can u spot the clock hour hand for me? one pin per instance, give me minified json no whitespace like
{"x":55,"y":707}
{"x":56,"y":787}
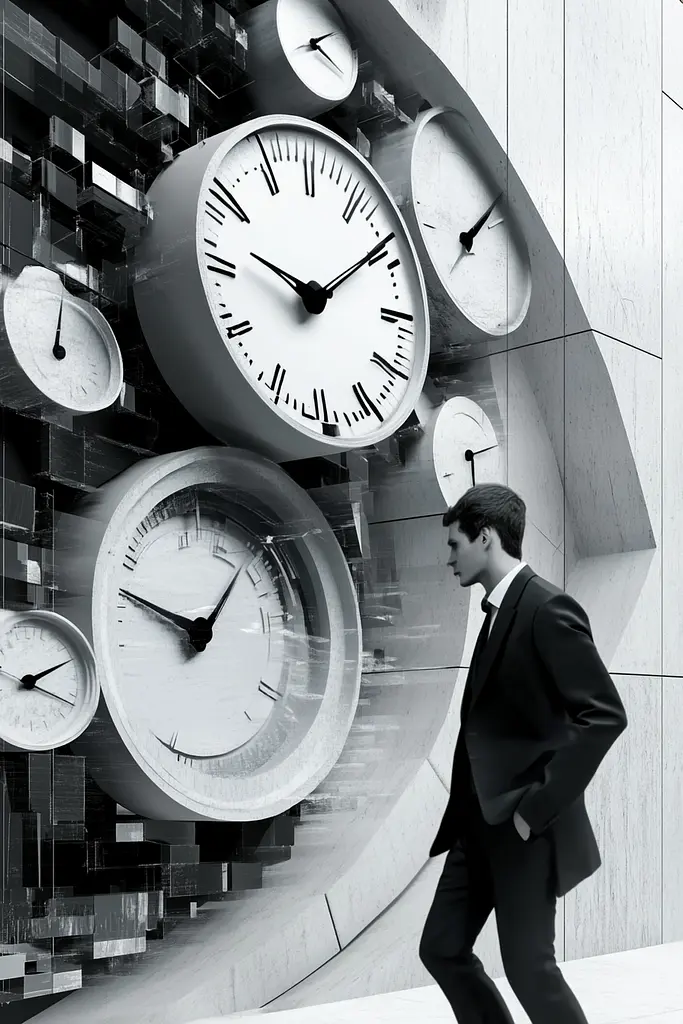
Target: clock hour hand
{"x":466,"y":238}
{"x":312,"y":295}
{"x":336,"y":281}
{"x":177,"y":620}
{"x":45,"y":672}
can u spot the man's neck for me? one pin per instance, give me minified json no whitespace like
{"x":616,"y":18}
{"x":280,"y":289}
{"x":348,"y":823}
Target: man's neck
{"x":498,"y":572}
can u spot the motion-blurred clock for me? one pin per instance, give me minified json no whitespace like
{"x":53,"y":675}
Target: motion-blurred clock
{"x":226,"y":630}
{"x":300,"y":57}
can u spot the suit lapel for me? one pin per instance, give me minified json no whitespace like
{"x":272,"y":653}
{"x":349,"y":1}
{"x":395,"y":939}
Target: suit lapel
{"x":501,"y":628}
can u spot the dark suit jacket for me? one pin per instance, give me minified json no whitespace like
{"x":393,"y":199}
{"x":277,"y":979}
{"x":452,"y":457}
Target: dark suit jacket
{"x":537,"y":719}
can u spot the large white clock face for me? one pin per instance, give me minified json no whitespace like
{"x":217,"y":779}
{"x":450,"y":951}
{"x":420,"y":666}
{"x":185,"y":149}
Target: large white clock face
{"x":488,"y":274}
{"x":226,"y":628}
{"x":64,"y":345}
{"x":315,"y":41}
{"x":191,"y":706}
{"x":313,"y":282}
{"x":48,"y":687}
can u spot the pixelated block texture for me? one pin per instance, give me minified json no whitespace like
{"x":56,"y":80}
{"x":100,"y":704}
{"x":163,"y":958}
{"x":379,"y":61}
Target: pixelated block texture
{"x":83,"y":880}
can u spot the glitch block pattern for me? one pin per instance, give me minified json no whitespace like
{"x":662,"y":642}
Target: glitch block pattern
{"x":84,"y":881}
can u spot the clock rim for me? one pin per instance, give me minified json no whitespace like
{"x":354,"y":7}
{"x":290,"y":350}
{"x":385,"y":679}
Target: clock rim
{"x":328,"y":732}
{"x":78,"y":642}
{"x":99,"y":324}
{"x":165,"y":290}
{"x":328,"y":97}
{"x":421,"y":122}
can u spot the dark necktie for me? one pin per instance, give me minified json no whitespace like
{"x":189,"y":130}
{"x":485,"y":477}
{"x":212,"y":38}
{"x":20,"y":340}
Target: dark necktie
{"x":486,"y":607}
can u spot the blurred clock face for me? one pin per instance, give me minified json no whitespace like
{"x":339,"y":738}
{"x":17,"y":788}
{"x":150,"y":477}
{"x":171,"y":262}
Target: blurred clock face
{"x":191,"y":708}
{"x":488,"y":276}
{"x":328,"y":65}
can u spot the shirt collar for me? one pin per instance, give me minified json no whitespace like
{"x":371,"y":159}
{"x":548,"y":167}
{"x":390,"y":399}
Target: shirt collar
{"x":499,"y":591}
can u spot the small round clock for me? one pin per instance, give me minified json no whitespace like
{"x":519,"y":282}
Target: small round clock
{"x":226,"y":629}
{"x":300,"y":57}
{"x":56,"y":351}
{"x":457,"y":449}
{"x":473,"y":252}
{"x":280,"y":293}
{"x":48,"y":682}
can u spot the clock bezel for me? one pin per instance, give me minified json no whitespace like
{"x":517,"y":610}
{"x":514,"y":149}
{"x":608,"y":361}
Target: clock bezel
{"x":116,"y":756}
{"x":171,"y":296}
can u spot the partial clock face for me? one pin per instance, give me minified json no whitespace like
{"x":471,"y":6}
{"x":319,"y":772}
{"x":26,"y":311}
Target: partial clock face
{"x":48,"y":687}
{"x":465,"y":447}
{"x":225,"y":624}
{"x":64,"y":345}
{"x":313,"y":283}
{"x":315,"y":41}
{"x":469,"y":232}
{"x":192,"y":707}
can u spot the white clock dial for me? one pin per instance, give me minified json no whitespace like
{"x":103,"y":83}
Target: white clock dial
{"x":226,"y":627}
{"x":48,"y":685}
{"x":472,"y":248}
{"x":318,"y":336}
{"x":62,"y":345}
{"x":201,"y":703}
{"x":300,"y":57}
{"x":316,"y":43}
{"x":488,"y":275}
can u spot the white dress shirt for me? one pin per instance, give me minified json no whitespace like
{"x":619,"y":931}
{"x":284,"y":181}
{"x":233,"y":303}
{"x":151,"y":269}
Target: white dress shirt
{"x":496,"y":596}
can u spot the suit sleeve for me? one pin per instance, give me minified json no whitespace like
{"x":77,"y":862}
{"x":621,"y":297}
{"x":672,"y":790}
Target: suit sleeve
{"x":562,"y":637}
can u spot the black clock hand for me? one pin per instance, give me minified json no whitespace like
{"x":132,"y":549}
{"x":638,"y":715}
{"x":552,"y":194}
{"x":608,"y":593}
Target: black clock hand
{"x":315,"y":45}
{"x":27,"y":682}
{"x":469,"y":457}
{"x":467,"y":237}
{"x":58,"y":350}
{"x":226,"y":594}
{"x":178,"y":620}
{"x":312,"y":295}
{"x":49,"y":693}
{"x":45,"y":672}
{"x":336,"y":281}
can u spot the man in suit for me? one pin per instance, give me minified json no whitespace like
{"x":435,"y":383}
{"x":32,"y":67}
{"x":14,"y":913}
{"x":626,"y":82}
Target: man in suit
{"x":539,"y":713}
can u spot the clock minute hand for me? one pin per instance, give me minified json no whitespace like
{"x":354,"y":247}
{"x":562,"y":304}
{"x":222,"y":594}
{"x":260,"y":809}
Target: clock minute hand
{"x":177,"y":620}
{"x":336,"y":281}
{"x":224,"y":597}
{"x":466,"y":238}
{"x":58,"y":350}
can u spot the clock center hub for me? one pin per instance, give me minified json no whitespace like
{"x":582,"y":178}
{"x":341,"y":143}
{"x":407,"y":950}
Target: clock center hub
{"x":316,"y":298}
{"x":201,"y":634}
{"x":28,"y":681}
